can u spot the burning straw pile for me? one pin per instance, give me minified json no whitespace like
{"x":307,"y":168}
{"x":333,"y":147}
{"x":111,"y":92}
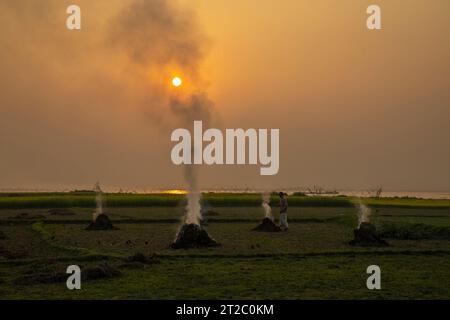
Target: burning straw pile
{"x":193,"y":236}
{"x":366,"y":235}
{"x":267,"y":224}
{"x":100,"y":221}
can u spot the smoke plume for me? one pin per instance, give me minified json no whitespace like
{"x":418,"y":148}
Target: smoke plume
{"x":266,"y":206}
{"x":98,"y":201}
{"x":160,"y":33}
{"x":160,"y":36}
{"x":364,"y":213}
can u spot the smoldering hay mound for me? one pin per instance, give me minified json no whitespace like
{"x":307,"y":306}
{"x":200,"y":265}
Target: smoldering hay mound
{"x":267,"y":225}
{"x":366,"y":236}
{"x":193,"y":236}
{"x":102,"y":222}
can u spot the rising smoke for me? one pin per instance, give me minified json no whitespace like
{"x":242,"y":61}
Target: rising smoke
{"x":266,"y":206}
{"x":364,"y":213}
{"x":159,"y":35}
{"x":98,"y":201}
{"x":195,"y":107}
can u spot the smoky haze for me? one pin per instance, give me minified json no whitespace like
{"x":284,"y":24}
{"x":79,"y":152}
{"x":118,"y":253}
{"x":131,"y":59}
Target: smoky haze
{"x":355,"y":109}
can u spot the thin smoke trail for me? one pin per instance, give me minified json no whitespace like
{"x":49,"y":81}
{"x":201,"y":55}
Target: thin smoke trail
{"x":364,"y":213}
{"x":98,"y":201}
{"x":266,"y":206}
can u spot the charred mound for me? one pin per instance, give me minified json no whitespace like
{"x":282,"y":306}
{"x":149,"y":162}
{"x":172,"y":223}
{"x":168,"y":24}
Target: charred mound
{"x":101,"y":223}
{"x":267,"y":225}
{"x":193,"y":236}
{"x":366,"y":236}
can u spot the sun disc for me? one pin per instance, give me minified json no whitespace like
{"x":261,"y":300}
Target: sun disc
{"x":176,"y":81}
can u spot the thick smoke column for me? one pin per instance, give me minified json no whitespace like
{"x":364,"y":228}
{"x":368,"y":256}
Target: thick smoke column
{"x":193,"y":208}
{"x":161,"y":38}
{"x":196,"y":106}
{"x":193,"y":107}
{"x":266,"y":206}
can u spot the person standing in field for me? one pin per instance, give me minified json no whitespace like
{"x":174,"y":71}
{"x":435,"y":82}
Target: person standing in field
{"x":283,"y":211}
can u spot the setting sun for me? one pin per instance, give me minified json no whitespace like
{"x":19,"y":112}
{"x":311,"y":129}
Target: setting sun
{"x":176,"y":81}
{"x":174,"y":191}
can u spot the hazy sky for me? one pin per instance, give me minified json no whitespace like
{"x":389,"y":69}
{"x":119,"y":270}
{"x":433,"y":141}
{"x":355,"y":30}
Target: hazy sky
{"x":355,"y":108}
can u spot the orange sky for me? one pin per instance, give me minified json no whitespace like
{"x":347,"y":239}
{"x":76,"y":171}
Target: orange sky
{"x":355,"y":108}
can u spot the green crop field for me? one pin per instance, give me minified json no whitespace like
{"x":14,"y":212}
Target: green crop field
{"x":87,"y":200}
{"x":313,"y":260}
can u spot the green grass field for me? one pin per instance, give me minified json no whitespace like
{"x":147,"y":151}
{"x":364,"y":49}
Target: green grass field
{"x":311,"y":261}
{"x":87,"y":200}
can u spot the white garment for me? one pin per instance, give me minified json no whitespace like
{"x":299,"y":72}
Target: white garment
{"x":283,"y":220}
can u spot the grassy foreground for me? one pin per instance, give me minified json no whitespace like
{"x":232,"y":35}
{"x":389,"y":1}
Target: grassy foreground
{"x":311,"y":261}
